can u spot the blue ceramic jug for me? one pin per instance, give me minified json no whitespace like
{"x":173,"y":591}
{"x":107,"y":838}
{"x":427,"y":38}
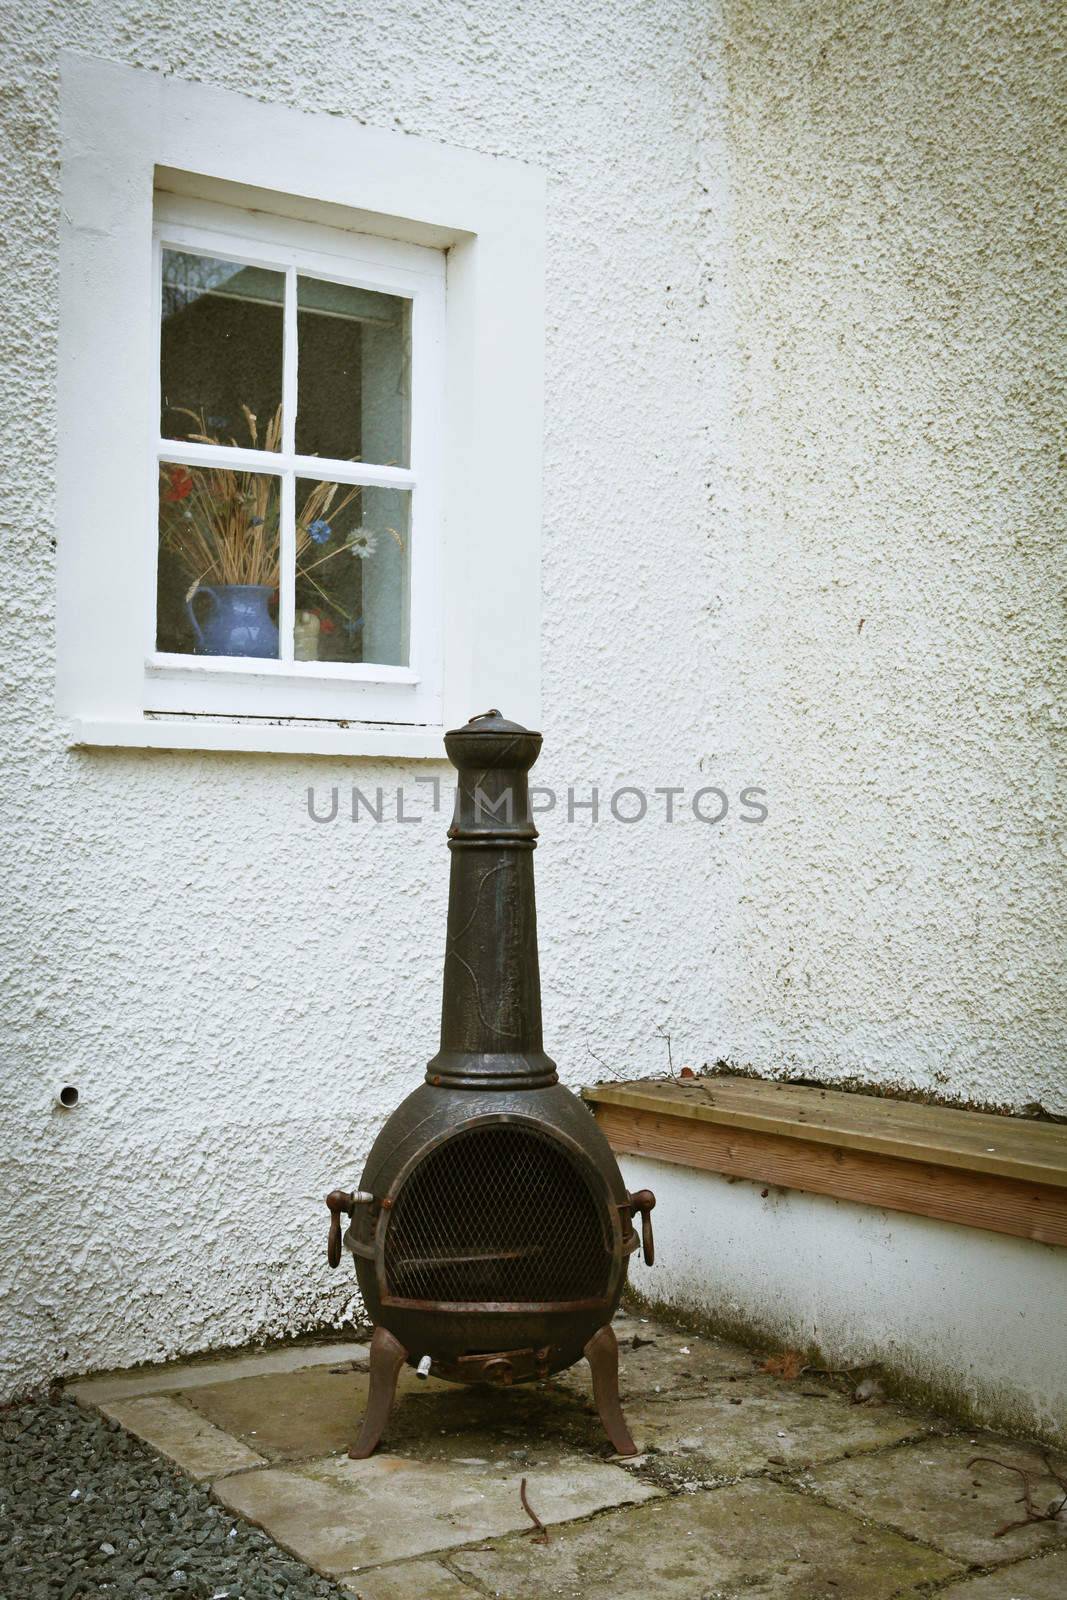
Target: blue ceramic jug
{"x":238,"y":623}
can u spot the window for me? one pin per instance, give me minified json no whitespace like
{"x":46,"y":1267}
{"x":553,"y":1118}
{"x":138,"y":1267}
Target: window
{"x":300,"y":425}
{"x":299,"y":411}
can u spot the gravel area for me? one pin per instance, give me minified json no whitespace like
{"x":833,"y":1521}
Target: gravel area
{"x":85,"y":1509}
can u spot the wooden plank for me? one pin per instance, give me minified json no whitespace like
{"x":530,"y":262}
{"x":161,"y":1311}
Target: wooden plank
{"x":1007,"y":1147}
{"x":1003,"y":1205}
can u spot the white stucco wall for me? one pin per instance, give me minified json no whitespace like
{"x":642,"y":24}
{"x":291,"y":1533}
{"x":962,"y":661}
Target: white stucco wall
{"x":242,"y":995}
{"x":793,"y":380}
{"x":889,"y":626}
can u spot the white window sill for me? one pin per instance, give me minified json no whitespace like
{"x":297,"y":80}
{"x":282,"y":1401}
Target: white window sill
{"x":258,"y":734}
{"x":161,"y":666}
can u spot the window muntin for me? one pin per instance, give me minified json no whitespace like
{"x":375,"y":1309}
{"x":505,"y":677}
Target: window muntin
{"x":285,"y":533}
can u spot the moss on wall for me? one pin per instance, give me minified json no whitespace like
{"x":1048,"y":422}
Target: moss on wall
{"x":908,"y":1376}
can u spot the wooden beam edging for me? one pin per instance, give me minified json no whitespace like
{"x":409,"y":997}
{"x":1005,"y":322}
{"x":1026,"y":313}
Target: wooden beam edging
{"x":974,"y":1200}
{"x":942,"y":1136}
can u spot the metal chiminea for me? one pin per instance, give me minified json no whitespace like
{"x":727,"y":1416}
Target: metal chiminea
{"x":491,"y":1229}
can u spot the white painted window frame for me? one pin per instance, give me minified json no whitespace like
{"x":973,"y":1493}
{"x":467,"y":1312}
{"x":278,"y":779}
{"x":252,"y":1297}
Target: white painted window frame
{"x":127,"y":134}
{"x":307,"y":689}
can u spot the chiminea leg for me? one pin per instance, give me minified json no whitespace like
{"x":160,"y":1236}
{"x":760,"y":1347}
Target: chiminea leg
{"x":602,"y":1354}
{"x":387,"y":1356}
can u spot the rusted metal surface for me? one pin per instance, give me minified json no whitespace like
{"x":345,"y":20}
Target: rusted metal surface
{"x":503,"y":1367}
{"x":602,"y":1353}
{"x":387,"y":1356}
{"x":643,"y":1200}
{"x":491,"y":1230}
{"x":337,"y":1201}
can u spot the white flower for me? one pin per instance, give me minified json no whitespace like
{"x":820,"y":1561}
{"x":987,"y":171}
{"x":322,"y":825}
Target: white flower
{"x":362,"y":543}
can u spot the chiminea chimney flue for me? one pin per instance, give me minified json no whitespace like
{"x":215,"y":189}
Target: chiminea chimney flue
{"x":491,"y":1005}
{"x":491,"y":1228}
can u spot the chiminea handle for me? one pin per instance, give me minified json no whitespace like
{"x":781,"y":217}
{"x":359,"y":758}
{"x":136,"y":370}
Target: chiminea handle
{"x":643,"y":1200}
{"x":339,"y":1201}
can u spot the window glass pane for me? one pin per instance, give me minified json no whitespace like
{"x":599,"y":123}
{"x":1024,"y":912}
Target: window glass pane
{"x":353,"y":563}
{"x":221,"y":351}
{"x":354,"y":377}
{"x":217,"y":583}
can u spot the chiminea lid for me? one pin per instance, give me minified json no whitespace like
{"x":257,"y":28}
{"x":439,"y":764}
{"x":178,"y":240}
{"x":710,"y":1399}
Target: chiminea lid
{"x":491,"y":742}
{"x":491,"y":722}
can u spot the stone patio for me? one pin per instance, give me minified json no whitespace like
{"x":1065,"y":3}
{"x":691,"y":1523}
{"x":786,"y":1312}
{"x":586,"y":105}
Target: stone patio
{"x":748,"y":1485}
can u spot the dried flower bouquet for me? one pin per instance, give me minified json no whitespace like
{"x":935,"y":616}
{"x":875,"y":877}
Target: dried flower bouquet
{"x":222,"y":523}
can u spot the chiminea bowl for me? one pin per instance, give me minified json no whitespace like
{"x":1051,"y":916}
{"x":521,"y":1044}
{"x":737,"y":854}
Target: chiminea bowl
{"x":491,"y":1229}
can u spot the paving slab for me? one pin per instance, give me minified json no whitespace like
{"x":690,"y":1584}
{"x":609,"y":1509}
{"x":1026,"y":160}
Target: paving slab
{"x":1040,"y":1578}
{"x":340,"y":1515}
{"x":493,"y":1449}
{"x":747,"y":1427}
{"x":201,"y":1450}
{"x":755,"y":1539}
{"x":408,"y":1580}
{"x":928,"y":1490}
{"x":711,"y":1437}
{"x":656,"y":1359}
{"x":298,"y":1416}
{"x":180,"y":1375}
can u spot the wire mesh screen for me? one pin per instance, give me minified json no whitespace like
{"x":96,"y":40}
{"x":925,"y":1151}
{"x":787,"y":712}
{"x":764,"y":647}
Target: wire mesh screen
{"x":497,"y":1214}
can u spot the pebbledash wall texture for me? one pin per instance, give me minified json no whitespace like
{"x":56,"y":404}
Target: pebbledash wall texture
{"x":799,"y":533}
